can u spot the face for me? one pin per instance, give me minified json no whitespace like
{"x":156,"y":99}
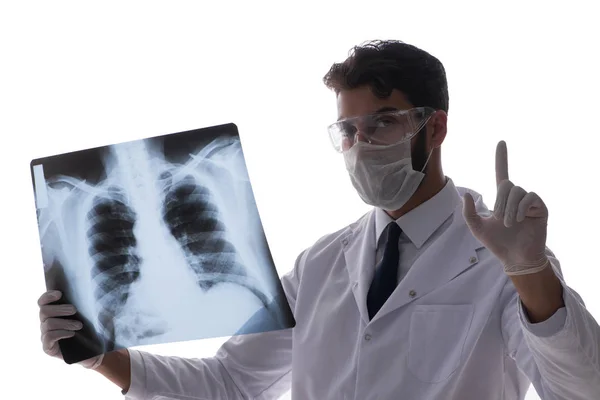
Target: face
{"x":361,"y":101}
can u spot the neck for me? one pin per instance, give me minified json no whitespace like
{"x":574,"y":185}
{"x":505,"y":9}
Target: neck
{"x":432,"y":184}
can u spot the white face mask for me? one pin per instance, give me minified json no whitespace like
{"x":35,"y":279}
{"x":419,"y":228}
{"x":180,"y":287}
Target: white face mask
{"x":383,"y":175}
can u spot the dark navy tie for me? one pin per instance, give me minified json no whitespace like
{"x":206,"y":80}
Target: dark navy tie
{"x":386,"y":273}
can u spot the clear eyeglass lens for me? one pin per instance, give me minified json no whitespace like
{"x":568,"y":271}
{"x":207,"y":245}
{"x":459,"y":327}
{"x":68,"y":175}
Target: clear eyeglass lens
{"x":379,"y":129}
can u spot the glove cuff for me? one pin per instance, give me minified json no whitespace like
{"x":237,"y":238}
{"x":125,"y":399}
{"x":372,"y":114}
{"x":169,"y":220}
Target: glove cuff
{"x":92,"y":363}
{"x":527,"y":268}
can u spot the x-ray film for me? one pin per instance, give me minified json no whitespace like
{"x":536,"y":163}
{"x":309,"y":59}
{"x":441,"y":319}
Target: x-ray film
{"x":155,"y":241}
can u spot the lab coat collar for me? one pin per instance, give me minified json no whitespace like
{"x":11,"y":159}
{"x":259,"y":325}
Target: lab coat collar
{"x":420,"y":223}
{"x":449,"y":256}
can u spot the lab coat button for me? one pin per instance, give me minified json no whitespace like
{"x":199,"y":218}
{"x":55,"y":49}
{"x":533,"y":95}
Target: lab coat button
{"x":472,"y":260}
{"x":412,"y":293}
{"x":367,"y":337}
{"x":345,"y":242}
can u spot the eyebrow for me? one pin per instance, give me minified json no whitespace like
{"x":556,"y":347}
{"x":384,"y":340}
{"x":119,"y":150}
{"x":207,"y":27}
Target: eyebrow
{"x":379,"y":111}
{"x":386,"y":109}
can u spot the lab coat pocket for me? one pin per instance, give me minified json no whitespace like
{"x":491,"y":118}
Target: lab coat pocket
{"x":436,"y":340}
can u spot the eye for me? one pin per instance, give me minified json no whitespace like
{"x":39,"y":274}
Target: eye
{"x":384,"y":121}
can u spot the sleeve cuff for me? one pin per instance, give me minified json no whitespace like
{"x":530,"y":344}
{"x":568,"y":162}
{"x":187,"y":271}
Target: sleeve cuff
{"x":137,"y":389}
{"x":556,"y":323}
{"x":547,"y":328}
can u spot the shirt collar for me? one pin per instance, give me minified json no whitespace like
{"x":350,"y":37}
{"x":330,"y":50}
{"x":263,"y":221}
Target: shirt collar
{"x":420,"y":223}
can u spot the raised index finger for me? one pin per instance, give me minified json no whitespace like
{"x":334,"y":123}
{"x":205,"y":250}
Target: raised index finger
{"x":501,"y":162}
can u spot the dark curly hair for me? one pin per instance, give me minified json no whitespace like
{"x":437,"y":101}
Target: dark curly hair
{"x":385,"y":65}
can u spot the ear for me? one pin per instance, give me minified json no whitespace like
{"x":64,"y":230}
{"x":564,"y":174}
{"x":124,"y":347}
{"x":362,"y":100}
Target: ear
{"x":439,"y":127}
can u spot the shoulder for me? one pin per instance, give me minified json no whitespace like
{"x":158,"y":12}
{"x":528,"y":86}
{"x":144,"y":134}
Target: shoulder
{"x":330,"y":244}
{"x":480,"y":205}
{"x":335,"y":238}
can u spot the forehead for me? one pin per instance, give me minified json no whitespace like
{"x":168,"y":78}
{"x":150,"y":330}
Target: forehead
{"x":362,"y":101}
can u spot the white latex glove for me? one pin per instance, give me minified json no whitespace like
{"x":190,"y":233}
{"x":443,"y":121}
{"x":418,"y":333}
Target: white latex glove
{"x":516,"y":232}
{"x":54,"y":329}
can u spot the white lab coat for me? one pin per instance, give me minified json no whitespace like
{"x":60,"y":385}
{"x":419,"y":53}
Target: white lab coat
{"x":454,"y":329}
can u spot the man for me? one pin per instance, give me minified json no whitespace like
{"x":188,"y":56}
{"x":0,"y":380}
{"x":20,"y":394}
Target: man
{"x":428,"y":296}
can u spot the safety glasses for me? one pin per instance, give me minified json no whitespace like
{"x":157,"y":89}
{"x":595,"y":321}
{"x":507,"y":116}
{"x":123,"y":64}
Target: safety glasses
{"x":381,"y":129}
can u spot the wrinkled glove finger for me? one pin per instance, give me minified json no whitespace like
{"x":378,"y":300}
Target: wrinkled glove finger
{"x":56,"y":324}
{"x":56,"y":310}
{"x":49,"y":297}
{"x":501,"y":198}
{"x":50,"y":341}
{"x":515,"y":197}
{"x":530,"y":201}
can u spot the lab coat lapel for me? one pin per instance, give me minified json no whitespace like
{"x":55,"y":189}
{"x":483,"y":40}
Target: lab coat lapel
{"x":359,"y":254}
{"x":449,"y":256}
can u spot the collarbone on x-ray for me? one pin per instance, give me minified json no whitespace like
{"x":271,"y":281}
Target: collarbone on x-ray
{"x":161,"y":250}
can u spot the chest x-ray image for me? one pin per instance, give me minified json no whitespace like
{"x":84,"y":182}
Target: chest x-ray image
{"x":155,"y":241}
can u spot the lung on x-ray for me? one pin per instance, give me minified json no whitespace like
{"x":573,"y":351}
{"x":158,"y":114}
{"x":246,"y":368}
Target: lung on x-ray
{"x":155,"y":241}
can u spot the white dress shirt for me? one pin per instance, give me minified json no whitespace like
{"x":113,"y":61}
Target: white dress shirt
{"x":453,"y":329}
{"x":417,"y":232}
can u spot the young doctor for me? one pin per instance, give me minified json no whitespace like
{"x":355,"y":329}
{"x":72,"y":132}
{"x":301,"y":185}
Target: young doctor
{"x":428,"y":296}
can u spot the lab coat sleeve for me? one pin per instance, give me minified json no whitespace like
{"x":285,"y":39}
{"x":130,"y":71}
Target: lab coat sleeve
{"x":252,"y":366}
{"x":560,"y":355}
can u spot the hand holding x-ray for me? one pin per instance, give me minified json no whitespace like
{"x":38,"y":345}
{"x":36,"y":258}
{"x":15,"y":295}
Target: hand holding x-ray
{"x":55,"y":325}
{"x":516,"y":232}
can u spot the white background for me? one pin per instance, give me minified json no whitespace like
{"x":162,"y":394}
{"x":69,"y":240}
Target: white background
{"x":77,"y":74}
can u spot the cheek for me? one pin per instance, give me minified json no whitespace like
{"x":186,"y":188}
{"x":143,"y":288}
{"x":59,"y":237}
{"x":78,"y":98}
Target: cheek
{"x":346,"y":144}
{"x":413,"y":143}
{"x":420,"y":142}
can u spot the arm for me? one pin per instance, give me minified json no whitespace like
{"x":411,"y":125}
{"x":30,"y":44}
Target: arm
{"x":558,"y":348}
{"x":253,"y":366}
{"x":541,"y":294}
{"x":116,"y":368}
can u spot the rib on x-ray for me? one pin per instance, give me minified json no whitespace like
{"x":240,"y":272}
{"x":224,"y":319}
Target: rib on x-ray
{"x":157,"y":240}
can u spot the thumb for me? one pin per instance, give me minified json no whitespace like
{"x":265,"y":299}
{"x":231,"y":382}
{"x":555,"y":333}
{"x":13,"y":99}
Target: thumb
{"x":474,"y":221}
